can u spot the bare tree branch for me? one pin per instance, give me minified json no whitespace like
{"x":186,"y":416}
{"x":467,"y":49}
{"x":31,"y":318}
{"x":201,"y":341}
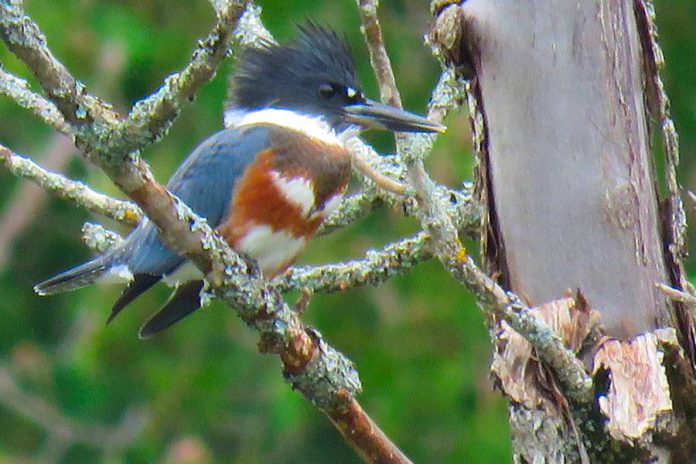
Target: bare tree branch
{"x":382,"y":181}
{"x":394,"y":259}
{"x":389,"y":93}
{"x":150,"y":118}
{"x":451,"y":252}
{"x":377,"y":266}
{"x":677,"y":295}
{"x":548,"y":345}
{"x":111,"y":136}
{"x":62,"y":187}
{"x":29,"y":198}
{"x":434,"y":218}
{"x":23,"y":37}
{"x":454,"y":257}
{"x":98,"y":238}
{"x":366,"y":438}
{"x":350,"y":210}
{"x":250,"y":31}
{"x":19,"y":91}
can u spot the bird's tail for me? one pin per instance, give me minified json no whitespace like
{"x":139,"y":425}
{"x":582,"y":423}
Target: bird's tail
{"x":77,"y":277}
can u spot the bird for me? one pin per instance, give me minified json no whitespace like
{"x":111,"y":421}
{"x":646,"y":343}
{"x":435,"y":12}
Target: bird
{"x":266,"y":181}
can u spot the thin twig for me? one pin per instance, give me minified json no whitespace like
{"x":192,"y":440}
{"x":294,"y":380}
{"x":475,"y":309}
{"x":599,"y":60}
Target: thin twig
{"x":62,"y":187}
{"x":395,"y":258}
{"x":377,"y":266}
{"x":18,"y":90}
{"x":547,"y":344}
{"x":29,"y":198}
{"x":389,"y":93}
{"x":692,"y":197}
{"x":151,"y":117}
{"x":389,"y":166}
{"x":250,"y":31}
{"x":351,"y":209}
{"x":99,"y":239}
{"x":366,"y":438}
{"x":24,"y":38}
{"x":676,"y":295}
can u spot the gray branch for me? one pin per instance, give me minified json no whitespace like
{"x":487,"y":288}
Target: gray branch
{"x":377,"y":267}
{"x":24,"y":38}
{"x":432,"y":213}
{"x":151,"y":117}
{"x":62,"y":187}
{"x":323,"y":375}
{"x":98,"y":238}
{"x":18,"y":90}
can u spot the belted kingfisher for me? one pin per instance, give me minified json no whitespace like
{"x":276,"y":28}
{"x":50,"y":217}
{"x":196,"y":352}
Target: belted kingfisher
{"x":266,"y":182}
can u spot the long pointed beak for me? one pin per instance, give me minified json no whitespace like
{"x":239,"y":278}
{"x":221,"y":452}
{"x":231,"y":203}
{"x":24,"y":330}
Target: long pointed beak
{"x":375,"y":115}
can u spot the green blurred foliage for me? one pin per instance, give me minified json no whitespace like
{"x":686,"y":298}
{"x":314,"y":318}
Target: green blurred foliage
{"x":418,"y":341}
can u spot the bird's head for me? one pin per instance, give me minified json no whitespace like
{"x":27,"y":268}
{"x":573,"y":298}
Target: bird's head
{"x":315,"y":75}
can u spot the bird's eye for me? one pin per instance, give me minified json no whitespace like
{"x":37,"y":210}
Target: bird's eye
{"x":353,"y":95}
{"x":327,"y":90}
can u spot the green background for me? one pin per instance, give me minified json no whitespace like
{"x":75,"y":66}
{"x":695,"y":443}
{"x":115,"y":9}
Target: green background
{"x":205,"y":393}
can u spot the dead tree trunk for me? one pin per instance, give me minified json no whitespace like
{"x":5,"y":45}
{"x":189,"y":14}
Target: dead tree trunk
{"x":563,"y":92}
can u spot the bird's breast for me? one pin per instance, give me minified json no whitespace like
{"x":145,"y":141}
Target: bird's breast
{"x":281,"y":199}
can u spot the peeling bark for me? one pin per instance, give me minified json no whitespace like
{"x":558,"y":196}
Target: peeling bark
{"x":639,"y":393}
{"x":559,"y":100}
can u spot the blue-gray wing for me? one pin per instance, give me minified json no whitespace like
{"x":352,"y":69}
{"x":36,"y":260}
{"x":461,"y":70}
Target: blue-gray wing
{"x":204,"y":182}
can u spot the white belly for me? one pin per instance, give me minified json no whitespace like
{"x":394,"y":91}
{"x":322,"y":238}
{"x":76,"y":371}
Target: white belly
{"x":272,"y":250}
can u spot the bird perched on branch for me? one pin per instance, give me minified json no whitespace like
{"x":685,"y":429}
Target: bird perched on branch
{"x":266,"y":182}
